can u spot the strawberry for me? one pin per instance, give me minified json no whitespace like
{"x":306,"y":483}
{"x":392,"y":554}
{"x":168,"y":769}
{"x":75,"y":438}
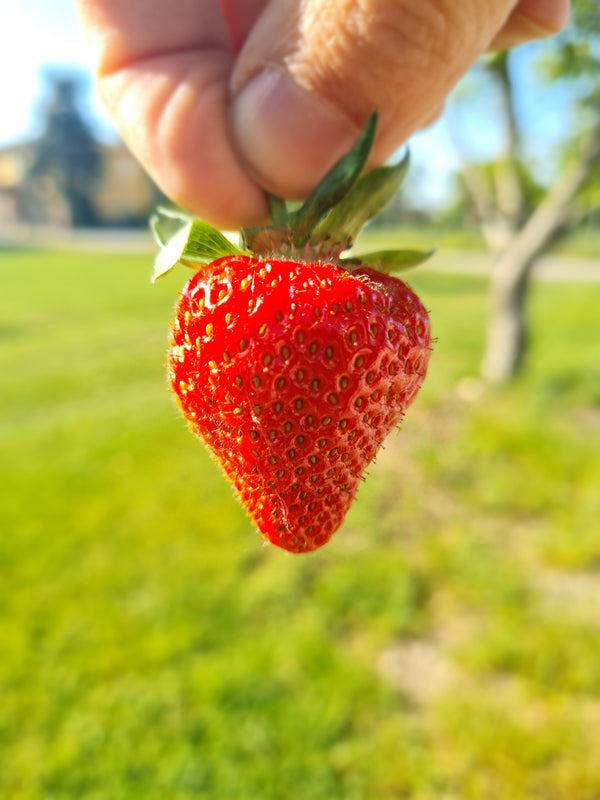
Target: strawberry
{"x":291,"y":362}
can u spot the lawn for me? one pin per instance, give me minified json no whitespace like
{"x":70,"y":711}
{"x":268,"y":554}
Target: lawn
{"x":444,"y":645}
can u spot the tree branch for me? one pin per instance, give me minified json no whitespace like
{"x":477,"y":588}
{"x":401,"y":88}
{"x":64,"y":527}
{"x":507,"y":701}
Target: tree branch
{"x":550,"y":216}
{"x":510,"y":199}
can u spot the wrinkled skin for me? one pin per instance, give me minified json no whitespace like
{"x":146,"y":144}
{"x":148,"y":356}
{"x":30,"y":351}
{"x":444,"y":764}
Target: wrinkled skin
{"x":219,"y":105}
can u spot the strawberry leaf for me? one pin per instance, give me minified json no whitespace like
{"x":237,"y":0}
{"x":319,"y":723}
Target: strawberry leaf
{"x":277,"y":209}
{"x":369,"y":195}
{"x":389,"y":260}
{"x":193,"y":244}
{"x":335,"y":185}
{"x":205,"y":243}
{"x":166,"y":222}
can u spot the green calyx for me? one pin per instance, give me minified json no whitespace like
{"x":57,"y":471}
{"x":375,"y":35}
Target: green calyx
{"x":325,"y":226}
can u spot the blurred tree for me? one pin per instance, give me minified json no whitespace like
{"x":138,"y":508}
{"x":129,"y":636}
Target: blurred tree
{"x":67,"y":152}
{"x":520,"y":219}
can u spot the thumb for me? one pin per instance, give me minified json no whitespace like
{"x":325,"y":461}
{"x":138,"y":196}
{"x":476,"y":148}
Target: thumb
{"x":311,"y":72}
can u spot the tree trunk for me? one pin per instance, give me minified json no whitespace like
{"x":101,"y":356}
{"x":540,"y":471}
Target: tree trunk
{"x":507,"y":327}
{"x":507,"y":334}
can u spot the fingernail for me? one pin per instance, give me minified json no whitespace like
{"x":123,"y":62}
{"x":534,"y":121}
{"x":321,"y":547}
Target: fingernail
{"x":288,"y":137}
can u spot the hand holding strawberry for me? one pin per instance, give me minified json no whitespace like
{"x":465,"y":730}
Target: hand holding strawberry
{"x":289,"y":94}
{"x":291,"y":362}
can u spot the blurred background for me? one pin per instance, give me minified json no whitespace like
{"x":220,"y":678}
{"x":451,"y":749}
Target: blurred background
{"x":445,"y":644}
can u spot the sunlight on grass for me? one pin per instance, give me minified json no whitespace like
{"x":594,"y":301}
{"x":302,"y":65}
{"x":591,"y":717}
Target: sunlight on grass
{"x":443,"y":645}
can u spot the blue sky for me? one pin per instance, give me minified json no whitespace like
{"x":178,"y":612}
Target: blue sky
{"x":36,"y":33}
{"x":33,"y":33}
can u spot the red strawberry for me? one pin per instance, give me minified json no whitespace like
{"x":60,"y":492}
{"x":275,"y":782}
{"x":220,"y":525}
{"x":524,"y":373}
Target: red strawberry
{"x":293,"y":371}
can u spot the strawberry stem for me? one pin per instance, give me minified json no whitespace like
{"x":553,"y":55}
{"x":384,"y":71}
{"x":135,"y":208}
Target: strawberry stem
{"x":277,"y":209}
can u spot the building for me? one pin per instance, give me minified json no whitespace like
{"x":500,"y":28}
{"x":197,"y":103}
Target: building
{"x":67,"y":178}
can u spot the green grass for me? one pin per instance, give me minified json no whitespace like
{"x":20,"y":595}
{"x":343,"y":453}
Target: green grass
{"x":443,"y":645}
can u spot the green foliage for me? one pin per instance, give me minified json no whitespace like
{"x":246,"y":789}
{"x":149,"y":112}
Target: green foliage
{"x":442,"y":645}
{"x":522,"y":169}
{"x":575,"y":54}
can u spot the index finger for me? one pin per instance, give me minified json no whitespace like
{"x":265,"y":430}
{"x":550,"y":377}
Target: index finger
{"x":163,"y":71}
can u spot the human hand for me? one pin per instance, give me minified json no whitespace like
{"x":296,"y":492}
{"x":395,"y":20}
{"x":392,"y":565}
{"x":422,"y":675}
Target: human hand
{"x":213,"y":126}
